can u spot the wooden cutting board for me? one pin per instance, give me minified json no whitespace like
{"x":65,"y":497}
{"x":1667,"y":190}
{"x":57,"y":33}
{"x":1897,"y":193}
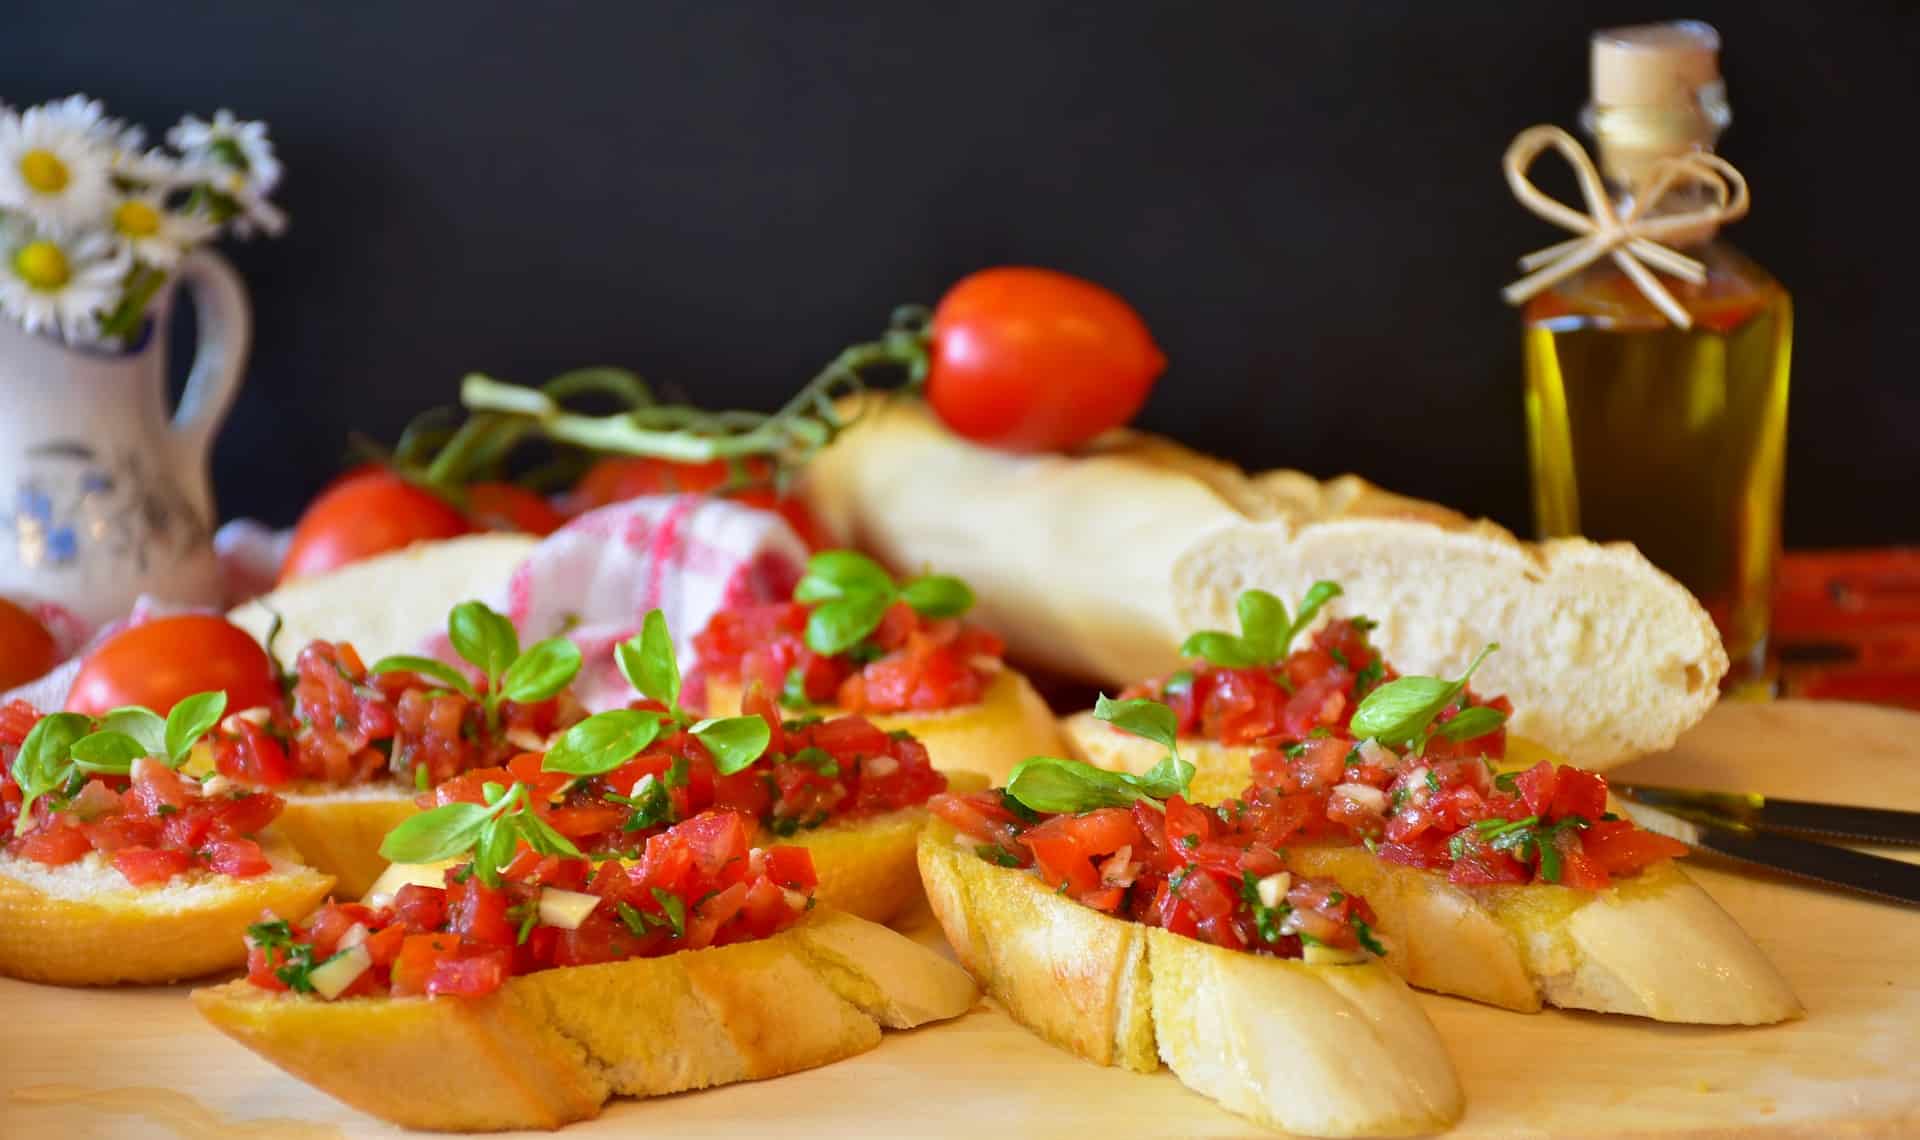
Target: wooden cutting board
{"x":138,"y":1062}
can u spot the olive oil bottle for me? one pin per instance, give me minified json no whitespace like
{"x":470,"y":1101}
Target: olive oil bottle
{"x":1672,"y":439}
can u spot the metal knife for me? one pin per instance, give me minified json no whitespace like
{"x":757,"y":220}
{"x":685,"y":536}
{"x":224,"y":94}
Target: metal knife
{"x":1822,"y":863}
{"x":1841,"y":822}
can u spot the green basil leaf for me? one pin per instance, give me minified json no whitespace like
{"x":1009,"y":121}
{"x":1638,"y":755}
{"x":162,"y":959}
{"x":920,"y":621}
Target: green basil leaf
{"x":938,"y":596}
{"x":541,"y":836}
{"x":45,"y":760}
{"x":144,"y":725}
{"x":1398,"y":712}
{"x":1045,"y":783}
{"x":446,"y":832}
{"x":1472,"y":723}
{"x":648,"y":663}
{"x":1170,"y":777}
{"x":542,"y":671}
{"x":483,"y":637}
{"x":602,"y":742}
{"x":735,"y":741}
{"x":499,"y":839}
{"x":837,"y":626}
{"x":1147,"y":719}
{"x":1222,"y":649}
{"x":191,"y":719}
{"x":1264,"y":628}
{"x":1318,"y":595}
{"x":838,"y":573}
{"x":427,"y":667}
{"x":107,"y":753}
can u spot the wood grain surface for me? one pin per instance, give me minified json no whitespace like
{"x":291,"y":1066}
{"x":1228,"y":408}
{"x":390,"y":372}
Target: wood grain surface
{"x":137,"y":1062}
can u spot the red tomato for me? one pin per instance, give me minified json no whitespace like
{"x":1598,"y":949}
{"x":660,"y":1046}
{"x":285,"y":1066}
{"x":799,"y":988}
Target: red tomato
{"x":160,"y":663}
{"x":366,"y":515}
{"x":503,"y":506}
{"x":26,"y":648}
{"x":1034,"y":360}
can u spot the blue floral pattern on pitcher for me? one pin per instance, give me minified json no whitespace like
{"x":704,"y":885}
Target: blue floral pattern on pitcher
{"x":72,"y":498}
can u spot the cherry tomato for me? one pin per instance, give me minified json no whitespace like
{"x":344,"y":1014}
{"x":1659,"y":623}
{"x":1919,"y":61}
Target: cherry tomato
{"x":366,"y":515}
{"x":163,"y":661}
{"x":618,"y":478}
{"x":1034,"y":360}
{"x":26,"y":648}
{"x":503,"y":506}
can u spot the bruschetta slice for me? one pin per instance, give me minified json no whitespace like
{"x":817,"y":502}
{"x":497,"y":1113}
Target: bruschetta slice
{"x":1118,"y":926}
{"x":114,"y":867}
{"x":854,"y":641}
{"x":1499,"y":874}
{"x":526,"y":993}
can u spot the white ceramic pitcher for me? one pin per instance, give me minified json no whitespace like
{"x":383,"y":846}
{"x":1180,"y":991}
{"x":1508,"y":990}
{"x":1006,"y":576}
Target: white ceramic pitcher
{"x":104,"y":496}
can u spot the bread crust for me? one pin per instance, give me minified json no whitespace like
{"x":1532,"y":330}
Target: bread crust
{"x":339,"y":833}
{"x":1654,"y":946}
{"x":552,"y":1047}
{"x":1321,"y":1050}
{"x":1098,"y":565}
{"x":1008,"y":724}
{"x":146,"y":935}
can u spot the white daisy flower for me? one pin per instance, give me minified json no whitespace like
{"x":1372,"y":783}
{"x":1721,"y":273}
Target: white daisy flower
{"x":230,"y":142}
{"x":51,"y":169}
{"x":251,"y":212}
{"x":153,"y":169}
{"x":57,"y":283}
{"x":154,"y":234}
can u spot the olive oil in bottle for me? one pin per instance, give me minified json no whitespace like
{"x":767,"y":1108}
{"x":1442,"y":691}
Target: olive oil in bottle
{"x":1672,"y":439}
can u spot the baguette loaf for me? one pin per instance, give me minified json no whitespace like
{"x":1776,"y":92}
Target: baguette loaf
{"x":552,"y":1047}
{"x":1098,"y":565}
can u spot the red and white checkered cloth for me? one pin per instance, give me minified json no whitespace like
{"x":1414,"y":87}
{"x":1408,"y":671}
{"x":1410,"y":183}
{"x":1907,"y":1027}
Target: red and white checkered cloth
{"x":593,"y":580}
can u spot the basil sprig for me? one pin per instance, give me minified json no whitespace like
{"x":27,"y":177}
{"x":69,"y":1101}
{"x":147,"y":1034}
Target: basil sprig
{"x":850,"y":594}
{"x":491,"y":832}
{"x":64,"y":748}
{"x":487,"y":641}
{"x":1401,"y":712}
{"x":1049,"y":784}
{"x":1266,"y":632}
{"x":604,"y":741}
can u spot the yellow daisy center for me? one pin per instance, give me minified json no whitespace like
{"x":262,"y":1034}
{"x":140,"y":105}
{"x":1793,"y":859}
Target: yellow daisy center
{"x":136,"y":219}
{"x":42,"y":265}
{"x":43,"y":171}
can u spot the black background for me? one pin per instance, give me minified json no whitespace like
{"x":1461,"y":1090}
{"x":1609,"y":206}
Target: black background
{"x":1303,"y":199}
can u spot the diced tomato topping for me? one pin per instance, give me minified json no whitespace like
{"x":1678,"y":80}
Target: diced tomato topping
{"x":146,"y":866}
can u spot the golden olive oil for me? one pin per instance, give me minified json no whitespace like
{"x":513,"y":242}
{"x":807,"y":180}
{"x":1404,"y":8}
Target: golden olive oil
{"x":1671,"y":439}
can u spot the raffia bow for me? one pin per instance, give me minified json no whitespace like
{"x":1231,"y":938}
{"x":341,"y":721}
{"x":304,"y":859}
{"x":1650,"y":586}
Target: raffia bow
{"x":1632,"y":238}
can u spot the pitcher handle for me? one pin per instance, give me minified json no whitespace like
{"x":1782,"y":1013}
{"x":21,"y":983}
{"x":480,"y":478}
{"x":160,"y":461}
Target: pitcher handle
{"x":224,"y":318}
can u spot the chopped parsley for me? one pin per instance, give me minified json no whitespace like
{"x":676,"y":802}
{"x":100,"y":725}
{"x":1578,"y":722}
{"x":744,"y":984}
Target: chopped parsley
{"x":651,"y":803}
{"x":1366,"y":936}
{"x":1368,"y":676}
{"x":819,"y":759}
{"x":675,"y":908}
{"x":1294,"y":750}
{"x":1338,"y":657}
{"x":998,"y":855}
{"x":1433,"y":780}
{"x":1190,"y":841}
{"x":1508,"y":782}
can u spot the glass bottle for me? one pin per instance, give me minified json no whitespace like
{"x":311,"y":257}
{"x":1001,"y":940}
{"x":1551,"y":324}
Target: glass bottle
{"x":1639,"y":431}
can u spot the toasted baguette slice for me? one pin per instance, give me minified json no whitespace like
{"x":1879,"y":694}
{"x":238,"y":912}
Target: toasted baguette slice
{"x":1097,"y":565}
{"x":83,"y":924}
{"x":1322,"y":1050}
{"x":552,"y":1047}
{"x":1009,"y":724}
{"x":1655,"y":945}
{"x":338,"y":831}
{"x":389,"y":603}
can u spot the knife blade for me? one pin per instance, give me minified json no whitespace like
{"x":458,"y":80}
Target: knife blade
{"x":1784,"y":816}
{"x":1823,"y":863}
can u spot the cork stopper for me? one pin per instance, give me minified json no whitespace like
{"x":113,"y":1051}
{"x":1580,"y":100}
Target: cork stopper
{"x":1654,"y":65}
{"x":1656,"y":94}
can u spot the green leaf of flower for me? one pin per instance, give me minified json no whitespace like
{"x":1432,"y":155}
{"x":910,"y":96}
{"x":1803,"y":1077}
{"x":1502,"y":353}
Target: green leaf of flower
{"x":483,"y":638}
{"x":427,"y":667}
{"x":143,"y":725}
{"x":1147,"y":719}
{"x":838,"y":625}
{"x":1398,"y":712}
{"x":446,"y":832}
{"x":602,"y":742}
{"x":839,"y":573}
{"x":107,"y":753}
{"x":542,"y":671}
{"x":938,"y":596}
{"x":648,"y":662}
{"x":735,"y":741}
{"x":191,"y":719}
